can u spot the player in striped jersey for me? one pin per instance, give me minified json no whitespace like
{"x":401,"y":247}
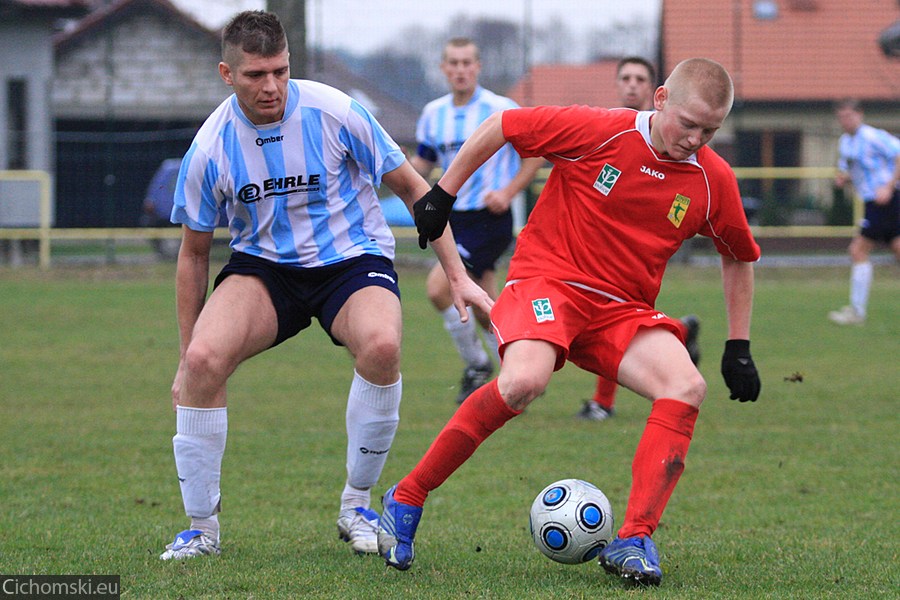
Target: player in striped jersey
{"x":296,"y":164}
{"x":869,"y":158}
{"x":481,"y":218}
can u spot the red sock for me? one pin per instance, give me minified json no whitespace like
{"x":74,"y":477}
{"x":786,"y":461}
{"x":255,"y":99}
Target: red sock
{"x":483,"y":413}
{"x":658,"y":463}
{"x":605,"y":392}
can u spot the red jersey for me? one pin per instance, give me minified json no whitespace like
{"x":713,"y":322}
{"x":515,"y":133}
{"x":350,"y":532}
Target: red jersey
{"x":614,"y":211}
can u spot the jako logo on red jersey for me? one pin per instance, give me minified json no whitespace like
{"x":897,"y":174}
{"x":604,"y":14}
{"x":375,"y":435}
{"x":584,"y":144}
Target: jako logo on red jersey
{"x":652,"y":173}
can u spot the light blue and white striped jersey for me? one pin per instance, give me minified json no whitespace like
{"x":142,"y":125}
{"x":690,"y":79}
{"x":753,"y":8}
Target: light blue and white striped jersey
{"x":869,"y":156}
{"x":441,"y":131}
{"x":300,"y":191}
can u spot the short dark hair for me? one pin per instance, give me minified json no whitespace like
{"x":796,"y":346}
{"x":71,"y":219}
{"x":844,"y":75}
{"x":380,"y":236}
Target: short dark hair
{"x":848,"y":104}
{"x":460,"y":42}
{"x":637,"y":60}
{"x":254,"y":32}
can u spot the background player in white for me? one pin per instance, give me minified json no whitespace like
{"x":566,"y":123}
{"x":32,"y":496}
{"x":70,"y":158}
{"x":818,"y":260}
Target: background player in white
{"x":869,"y":158}
{"x":482,"y":221}
{"x":295,"y":163}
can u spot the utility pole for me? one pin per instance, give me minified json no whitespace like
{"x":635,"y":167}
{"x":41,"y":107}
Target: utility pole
{"x":292,"y":14}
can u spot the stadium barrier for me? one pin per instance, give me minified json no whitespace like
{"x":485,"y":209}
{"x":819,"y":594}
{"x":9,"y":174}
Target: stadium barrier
{"x":47,"y":234}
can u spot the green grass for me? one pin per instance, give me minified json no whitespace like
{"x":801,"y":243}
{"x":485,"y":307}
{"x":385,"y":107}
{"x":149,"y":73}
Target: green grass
{"x":795,"y":496}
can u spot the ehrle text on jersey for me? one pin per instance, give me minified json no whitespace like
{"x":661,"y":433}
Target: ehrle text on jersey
{"x":279,"y":186}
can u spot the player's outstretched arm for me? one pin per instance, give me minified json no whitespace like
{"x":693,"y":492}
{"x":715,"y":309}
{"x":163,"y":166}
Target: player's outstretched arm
{"x":738,"y":368}
{"x":410,"y":186}
{"x":481,"y":145}
{"x":191,"y":284}
{"x":432,"y":211}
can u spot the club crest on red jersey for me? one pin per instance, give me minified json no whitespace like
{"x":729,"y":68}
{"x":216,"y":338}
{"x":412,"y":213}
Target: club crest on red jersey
{"x":678,"y":209}
{"x":607,"y":179}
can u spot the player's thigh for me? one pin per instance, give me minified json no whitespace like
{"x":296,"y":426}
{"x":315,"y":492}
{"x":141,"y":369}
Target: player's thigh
{"x":237,"y":321}
{"x":657,"y":365}
{"x":488,"y":282}
{"x":370,"y":325}
{"x":437,"y":286}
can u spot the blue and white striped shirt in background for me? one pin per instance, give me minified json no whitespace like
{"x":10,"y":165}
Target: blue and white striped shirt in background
{"x":300,"y":191}
{"x":441,"y":131}
{"x":869,"y":156}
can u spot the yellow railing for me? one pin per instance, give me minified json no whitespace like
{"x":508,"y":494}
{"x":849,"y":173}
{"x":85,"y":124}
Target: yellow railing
{"x":45,"y":234}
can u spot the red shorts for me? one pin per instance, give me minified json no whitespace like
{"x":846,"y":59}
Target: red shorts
{"x":589,"y":329}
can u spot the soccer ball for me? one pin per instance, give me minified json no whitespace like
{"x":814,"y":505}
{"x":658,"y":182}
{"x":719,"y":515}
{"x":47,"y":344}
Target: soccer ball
{"x":571,"y":521}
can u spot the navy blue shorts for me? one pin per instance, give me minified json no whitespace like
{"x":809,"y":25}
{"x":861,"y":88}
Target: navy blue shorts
{"x":299,"y":294}
{"x":481,"y":238}
{"x":882,"y":221}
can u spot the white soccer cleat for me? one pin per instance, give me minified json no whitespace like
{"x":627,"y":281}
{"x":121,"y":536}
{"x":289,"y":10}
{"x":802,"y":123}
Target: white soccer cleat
{"x":190,"y":543}
{"x":359,"y":527}
{"x":846,"y":316}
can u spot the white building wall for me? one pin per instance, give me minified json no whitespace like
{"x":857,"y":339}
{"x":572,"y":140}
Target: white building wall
{"x":146,"y":67}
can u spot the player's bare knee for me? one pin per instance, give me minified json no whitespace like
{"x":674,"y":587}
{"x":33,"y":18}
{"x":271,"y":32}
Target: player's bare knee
{"x":201,"y":358}
{"x":518,"y":392}
{"x":380,"y":354}
{"x":693,"y":390}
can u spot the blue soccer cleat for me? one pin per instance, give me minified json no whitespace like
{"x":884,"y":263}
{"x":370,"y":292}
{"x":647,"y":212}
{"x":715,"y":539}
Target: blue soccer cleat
{"x":634,"y":558}
{"x":397,"y":528}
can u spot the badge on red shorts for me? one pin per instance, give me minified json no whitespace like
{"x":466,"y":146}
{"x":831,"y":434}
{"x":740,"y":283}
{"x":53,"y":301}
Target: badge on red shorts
{"x":542,"y":310}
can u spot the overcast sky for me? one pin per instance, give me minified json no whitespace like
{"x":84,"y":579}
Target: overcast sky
{"x":365,"y":25}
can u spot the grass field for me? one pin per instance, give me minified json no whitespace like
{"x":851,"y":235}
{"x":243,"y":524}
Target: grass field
{"x":795,"y":496}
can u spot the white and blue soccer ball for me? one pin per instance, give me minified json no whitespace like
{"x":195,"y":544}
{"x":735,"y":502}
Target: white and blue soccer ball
{"x":571,"y":521}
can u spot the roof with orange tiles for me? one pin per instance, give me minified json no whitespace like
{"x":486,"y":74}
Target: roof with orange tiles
{"x":562,"y":85}
{"x":794,"y":50}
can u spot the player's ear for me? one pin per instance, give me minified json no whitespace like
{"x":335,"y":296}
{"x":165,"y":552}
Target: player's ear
{"x":660,"y":97}
{"x":225,"y":73}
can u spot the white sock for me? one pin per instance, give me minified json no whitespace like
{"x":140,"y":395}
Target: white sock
{"x":352,"y":497}
{"x":373,"y":413}
{"x":860,"y":284}
{"x":199,"y":445}
{"x":465,"y":337}
{"x":209,"y":526}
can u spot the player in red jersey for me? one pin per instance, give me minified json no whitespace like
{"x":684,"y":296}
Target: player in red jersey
{"x":635,"y":83}
{"x":625,"y":191}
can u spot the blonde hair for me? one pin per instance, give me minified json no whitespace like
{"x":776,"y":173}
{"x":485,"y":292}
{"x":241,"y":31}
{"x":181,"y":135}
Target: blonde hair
{"x":704,"y":78}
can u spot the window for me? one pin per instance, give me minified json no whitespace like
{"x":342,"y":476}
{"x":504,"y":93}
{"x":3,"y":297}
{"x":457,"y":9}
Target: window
{"x":765,"y":10}
{"x":16,"y":124}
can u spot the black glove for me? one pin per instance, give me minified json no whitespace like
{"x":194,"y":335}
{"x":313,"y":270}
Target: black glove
{"x":739,"y":372}
{"x":431,"y":213}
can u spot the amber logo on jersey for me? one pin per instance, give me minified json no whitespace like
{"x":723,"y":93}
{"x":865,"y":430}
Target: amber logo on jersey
{"x":678,"y":209}
{"x":542,"y":310}
{"x":607,"y":179}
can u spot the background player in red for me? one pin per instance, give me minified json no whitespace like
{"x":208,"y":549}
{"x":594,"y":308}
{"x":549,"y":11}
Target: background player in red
{"x":635,"y":82}
{"x":583,"y":281}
